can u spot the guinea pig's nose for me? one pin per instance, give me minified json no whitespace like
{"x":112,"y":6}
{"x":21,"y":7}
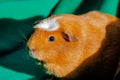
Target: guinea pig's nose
{"x":32,"y":50}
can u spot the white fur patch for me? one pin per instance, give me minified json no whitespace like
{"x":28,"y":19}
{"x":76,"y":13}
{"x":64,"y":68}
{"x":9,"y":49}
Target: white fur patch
{"x":48,"y":24}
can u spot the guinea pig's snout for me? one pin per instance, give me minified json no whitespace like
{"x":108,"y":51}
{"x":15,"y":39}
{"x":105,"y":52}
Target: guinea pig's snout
{"x":32,"y":50}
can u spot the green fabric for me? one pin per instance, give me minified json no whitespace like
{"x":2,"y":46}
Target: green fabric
{"x":19,"y":66}
{"x":16,"y":26}
{"x":20,"y":9}
{"x":67,"y":6}
{"x":110,"y":7}
{"x":82,"y":6}
{"x":14,"y":33}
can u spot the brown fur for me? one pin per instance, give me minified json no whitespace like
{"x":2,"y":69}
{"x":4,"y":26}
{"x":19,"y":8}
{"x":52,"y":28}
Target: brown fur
{"x":85,"y":47}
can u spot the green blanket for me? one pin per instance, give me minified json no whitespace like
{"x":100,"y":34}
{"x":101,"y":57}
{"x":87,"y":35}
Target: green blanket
{"x":16,"y":25}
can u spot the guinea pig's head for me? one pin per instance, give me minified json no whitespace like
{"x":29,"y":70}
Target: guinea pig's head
{"x":57,"y":43}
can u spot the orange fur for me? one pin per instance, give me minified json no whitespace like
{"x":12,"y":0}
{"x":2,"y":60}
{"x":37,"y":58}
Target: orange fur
{"x":87,"y":35}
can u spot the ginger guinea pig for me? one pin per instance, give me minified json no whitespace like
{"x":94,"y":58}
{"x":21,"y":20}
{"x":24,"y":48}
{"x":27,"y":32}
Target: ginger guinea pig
{"x":72,"y":47}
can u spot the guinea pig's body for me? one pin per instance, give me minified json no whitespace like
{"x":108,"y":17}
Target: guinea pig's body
{"x":71,"y":47}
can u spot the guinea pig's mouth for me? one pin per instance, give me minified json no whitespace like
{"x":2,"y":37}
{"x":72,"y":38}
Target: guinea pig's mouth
{"x":40,"y":62}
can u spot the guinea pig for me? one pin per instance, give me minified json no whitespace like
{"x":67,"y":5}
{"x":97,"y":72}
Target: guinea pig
{"x":78,"y":47}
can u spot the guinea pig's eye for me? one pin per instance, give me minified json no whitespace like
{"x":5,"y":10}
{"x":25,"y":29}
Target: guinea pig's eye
{"x":51,"y":38}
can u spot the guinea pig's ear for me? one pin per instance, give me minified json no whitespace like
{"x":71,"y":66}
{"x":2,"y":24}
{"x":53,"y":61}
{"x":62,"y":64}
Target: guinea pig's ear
{"x":69,"y":37}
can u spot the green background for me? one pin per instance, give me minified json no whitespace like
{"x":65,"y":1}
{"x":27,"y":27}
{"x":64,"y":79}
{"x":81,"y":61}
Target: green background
{"x":16,"y":26}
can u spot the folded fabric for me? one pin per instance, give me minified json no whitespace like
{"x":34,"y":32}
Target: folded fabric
{"x":15,"y":33}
